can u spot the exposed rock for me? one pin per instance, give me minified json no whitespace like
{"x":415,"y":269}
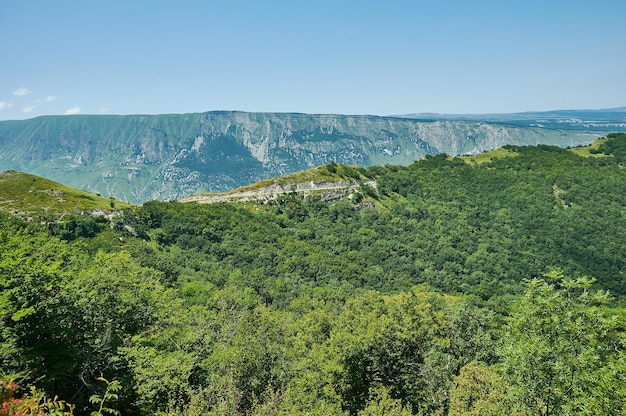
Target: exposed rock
{"x":329,"y":191}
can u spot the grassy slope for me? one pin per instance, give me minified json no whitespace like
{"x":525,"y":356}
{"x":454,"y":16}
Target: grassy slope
{"x":502,"y":152}
{"x":585,"y":150}
{"x":27,"y":194}
{"x":488,"y":156}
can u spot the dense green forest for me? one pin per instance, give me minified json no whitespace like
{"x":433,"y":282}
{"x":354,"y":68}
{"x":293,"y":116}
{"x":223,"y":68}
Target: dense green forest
{"x":482,"y":286}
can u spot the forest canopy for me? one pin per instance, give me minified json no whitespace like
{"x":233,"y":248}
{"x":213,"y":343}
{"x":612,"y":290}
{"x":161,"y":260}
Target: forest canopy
{"x":450,"y":277}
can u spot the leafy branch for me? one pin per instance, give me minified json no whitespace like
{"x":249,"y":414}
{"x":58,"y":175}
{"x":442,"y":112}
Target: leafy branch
{"x":109,"y":394}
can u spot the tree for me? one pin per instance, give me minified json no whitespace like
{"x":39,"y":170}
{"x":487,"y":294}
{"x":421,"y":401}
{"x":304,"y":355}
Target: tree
{"x":38,"y":331}
{"x":479,"y":391}
{"x":562,"y":354}
{"x":382,"y":404}
{"x":408,"y":344}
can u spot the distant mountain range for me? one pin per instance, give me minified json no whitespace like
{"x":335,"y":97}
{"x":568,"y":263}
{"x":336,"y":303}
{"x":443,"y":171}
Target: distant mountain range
{"x":612,"y":119}
{"x":142,"y":157}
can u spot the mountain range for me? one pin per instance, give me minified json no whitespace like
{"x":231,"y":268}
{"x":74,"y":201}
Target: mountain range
{"x":137,"y":158}
{"x":611,"y":119}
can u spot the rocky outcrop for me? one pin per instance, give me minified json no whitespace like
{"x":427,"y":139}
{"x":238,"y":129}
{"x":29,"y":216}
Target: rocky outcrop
{"x":329,"y":191}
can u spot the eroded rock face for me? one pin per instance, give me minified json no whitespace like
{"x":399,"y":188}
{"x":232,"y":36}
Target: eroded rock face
{"x":329,"y":191}
{"x":138,"y":158}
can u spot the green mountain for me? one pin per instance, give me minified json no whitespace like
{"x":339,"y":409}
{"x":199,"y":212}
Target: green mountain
{"x":138,"y":158}
{"x":488,"y":284}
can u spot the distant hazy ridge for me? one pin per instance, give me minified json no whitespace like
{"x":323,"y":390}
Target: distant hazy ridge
{"x":140,"y":157}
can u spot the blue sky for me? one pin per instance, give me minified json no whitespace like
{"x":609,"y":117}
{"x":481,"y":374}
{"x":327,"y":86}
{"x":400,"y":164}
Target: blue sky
{"x":350,"y":57}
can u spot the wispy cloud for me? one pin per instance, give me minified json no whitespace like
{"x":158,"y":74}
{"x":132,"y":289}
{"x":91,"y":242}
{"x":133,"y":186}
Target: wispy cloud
{"x":103,"y":111}
{"x":73,"y":110}
{"x":28,"y":109}
{"x":22,"y":91}
{"x":48,"y":99}
{"x":4,"y":104}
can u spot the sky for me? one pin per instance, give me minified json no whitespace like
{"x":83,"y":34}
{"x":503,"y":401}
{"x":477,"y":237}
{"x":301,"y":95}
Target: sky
{"x":342,"y":57}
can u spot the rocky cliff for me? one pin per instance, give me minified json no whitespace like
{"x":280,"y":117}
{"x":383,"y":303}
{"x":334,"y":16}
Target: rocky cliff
{"x":328,"y":191}
{"x":140,"y":157}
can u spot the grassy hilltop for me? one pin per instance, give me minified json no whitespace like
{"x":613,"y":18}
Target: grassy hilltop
{"x":27,"y":194}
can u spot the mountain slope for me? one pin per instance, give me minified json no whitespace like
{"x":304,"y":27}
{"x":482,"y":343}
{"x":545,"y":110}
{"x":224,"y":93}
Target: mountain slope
{"x":138,"y":158}
{"x":27,"y":194}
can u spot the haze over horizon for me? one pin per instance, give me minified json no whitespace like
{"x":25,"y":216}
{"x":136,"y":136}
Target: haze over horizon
{"x":348,"y":57}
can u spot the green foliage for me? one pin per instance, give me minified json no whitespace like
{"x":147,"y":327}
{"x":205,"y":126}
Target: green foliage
{"x":382,"y":404}
{"x":74,"y":227}
{"x":32,"y":403}
{"x":368,"y":190}
{"x":112,"y":387}
{"x":615,"y":147}
{"x":406,"y":347}
{"x":36,"y":326}
{"x":479,"y":390}
{"x":428,"y":300}
{"x":562,"y":354}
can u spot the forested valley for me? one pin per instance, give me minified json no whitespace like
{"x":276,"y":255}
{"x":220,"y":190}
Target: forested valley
{"x":486,"y":285}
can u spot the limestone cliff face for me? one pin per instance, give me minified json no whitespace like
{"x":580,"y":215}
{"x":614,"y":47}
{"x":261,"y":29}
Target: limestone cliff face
{"x":139,"y":157}
{"x":327,"y":191}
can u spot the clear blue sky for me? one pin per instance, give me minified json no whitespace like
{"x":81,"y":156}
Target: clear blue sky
{"x":351,"y":57}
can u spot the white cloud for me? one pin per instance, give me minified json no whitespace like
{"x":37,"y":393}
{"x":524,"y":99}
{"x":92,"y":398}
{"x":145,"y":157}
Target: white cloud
{"x":73,"y":110}
{"x":22,"y":91}
{"x":28,"y":109}
{"x":4,"y":104}
{"x":103,"y":111}
{"x":48,"y":99}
